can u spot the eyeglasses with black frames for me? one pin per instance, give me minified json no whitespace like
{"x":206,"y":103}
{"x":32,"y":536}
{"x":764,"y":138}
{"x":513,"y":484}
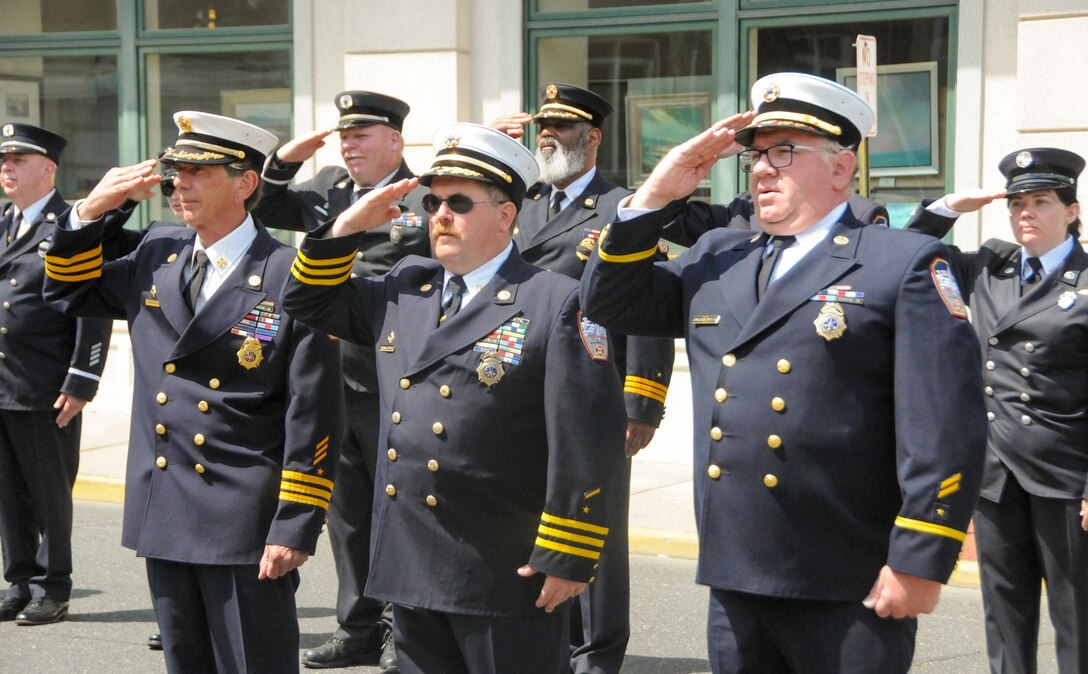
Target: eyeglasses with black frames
{"x":778,"y":156}
{"x":458,"y":203}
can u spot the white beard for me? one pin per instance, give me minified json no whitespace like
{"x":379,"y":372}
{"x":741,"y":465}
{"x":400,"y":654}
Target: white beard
{"x":562,"y":163}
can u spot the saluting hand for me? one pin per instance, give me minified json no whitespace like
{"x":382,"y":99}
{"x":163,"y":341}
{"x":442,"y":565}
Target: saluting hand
{"x":136,"y":182}
{"x":69,"y":407}
{"x":688,"y":164}
{"x":278,"y":560}
{"x":1084,"y":514}
{"x":374,"y":209}
{"x":901,"y":595}
{"x":513,"y":125}
{"x":556,"y":590}
{"x":971,"y":200}
{"x":298,"y":150}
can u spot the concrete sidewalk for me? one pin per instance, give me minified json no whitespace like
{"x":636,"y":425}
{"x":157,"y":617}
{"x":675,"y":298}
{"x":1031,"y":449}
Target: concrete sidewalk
{"x":662,"y":518}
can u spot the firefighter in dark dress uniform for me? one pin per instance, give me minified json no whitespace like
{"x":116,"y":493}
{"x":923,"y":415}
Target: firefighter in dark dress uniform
{"x":835,"y":473}
{"x":50,"y":366}
{"x":502,"y":417}
{"x":558,"y":227}
{"x":1029,"y":306}
{"x":237,"y":409}
{"x":371,"y":145}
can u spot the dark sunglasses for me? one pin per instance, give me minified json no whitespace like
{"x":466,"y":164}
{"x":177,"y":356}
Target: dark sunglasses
{"x":167,"y":187}
{"x":458,"y":203}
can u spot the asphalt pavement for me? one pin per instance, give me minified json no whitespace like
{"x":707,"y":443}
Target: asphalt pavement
{"x":111,"y":616}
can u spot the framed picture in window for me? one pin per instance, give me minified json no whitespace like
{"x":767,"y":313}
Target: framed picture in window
{"x":907,"y":141}
{"x":656,"y":124}
{"x":20,"y":100}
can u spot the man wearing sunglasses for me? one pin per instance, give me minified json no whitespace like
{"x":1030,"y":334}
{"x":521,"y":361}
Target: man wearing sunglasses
{"x":836,"y":468}
{"x":501,"y":449}
{"x":371,"y":146}
{"x":558,"y":228}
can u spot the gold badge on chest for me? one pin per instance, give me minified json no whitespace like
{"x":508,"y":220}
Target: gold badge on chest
{"x":250,"y":355}
{"x":490,"y":369}
{"x":831,"y":322}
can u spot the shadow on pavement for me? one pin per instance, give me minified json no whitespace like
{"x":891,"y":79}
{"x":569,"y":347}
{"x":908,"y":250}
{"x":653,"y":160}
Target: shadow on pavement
{"x":641,"y":664}
{"x":138,"y":616}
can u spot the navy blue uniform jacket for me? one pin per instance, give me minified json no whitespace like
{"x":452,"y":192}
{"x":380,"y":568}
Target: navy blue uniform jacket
{"x":310,"y":203}
{"x":223,"y":459}
{"x":476,"y":480}
{"x":563,"y":244}
{"x":816,"y":461}
{"x":44,"y":352}
{"x":1039,"y":420}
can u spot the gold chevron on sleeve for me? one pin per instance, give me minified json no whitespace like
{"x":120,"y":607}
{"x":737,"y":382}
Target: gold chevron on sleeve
{"x":315,"y":272}
{"x":321,"y":450}
{"x":645,"y":387}
{"x":80,"y":267}
{"x":929,"y":528}
{"x":950,"y":486}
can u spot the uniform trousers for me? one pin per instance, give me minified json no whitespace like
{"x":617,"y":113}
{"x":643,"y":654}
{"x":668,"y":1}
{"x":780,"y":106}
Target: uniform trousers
{"x":752,"y":634}
{"x":600,"y":617}
{"x":361,"y":619}
{"x":1021,"y":540}
{"x":432,"y":642}
{"x":38,"y":466}
{"x":221,"y":618}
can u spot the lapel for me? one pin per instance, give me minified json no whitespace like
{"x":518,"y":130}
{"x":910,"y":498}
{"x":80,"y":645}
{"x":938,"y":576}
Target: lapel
{"x":340,"y":196}
{"x":166,"y":279}
{"x":533,"y":216}
{"x":1004,"y":286}
{"x":582,"y":207}
{"x":40,"y":228}
{"x":1042,"y":295}
{"x":479,"y":317}
{"x":740,"y":298}
{"x":231,"y":302}
{"x":828,"y":262}
{"x":419,"y":308}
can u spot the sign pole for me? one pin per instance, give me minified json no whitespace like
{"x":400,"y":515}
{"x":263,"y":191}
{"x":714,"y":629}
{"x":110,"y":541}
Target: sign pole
{"x":865,"y":47}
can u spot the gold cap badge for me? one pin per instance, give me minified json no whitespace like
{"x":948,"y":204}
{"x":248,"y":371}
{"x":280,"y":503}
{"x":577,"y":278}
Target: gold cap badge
{"x":184,"y":125}
{"x":551,"y":91}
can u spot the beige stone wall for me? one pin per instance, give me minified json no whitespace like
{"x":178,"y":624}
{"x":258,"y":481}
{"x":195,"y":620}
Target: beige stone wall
{"x":1020,"y":83}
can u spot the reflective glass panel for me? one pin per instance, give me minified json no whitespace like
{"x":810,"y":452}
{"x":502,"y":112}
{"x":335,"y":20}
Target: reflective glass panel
{"x":74,"y":96}
{"x":659,"y":83}
{"x":30,"y":17}
{"x":575,"y":5}
{"x":166,"y":14}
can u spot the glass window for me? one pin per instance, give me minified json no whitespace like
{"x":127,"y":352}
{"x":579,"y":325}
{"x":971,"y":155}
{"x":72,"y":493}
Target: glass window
{"x":30,"y":17}
{"x":660,"y":84}
{"x":576,"y":5}
{"x":74,"y":96}
{"x":165,"y":14}
{"x":907,"y":157}
{"x":254,"y":86}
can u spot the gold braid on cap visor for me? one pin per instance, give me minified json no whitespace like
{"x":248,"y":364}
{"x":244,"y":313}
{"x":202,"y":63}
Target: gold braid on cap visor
{"x":475,"y":162}
{"x":565,"y":108}
{"x":213,"y":148}
{"x":798,"y":117}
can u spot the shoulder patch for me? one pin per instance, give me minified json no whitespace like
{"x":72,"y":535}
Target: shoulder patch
{"x":594,"y":338}
{"x":947,"y":287}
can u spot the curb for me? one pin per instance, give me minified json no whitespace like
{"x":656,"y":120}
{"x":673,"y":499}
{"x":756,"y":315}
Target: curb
{"x":101,"y":489}
{"x":662,"y":543}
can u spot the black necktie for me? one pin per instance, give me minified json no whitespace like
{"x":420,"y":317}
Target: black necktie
{"x":453,"y":303}
{"x":1036,"y":268}
{"x":16,"y":223}
{"x":359,"y":193}
{"x":200,"y":268}
{"x":554,"y":208}
{"x":767,"y":262}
